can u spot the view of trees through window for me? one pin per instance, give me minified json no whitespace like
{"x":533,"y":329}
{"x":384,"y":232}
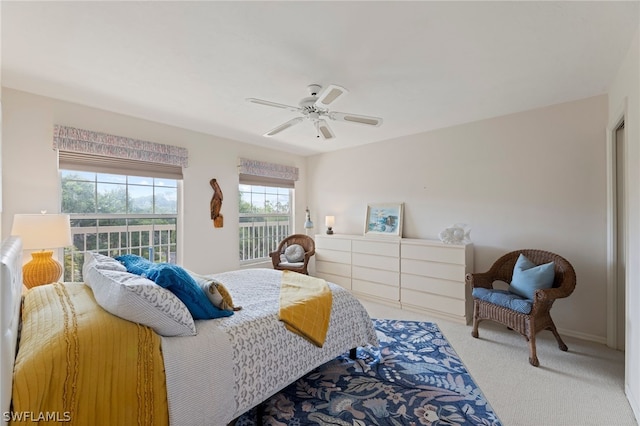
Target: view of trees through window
{"x":265,"y":219}
{"x":117,"y":214}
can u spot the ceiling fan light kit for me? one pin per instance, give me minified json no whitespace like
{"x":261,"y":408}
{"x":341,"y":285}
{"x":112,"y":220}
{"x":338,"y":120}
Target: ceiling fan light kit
{"x":315,"y":108}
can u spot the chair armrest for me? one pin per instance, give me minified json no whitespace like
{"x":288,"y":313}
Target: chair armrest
{"x":307,"y":256}
{"x":482,"y":280}
{"x":275,"y":257}
{"x":549,"y":294}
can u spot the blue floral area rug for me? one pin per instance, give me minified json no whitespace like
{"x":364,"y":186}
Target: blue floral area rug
{"x":413,"y":378}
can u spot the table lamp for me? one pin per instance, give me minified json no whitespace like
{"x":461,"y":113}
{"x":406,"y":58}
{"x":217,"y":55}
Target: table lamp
{"x":329,"y":221}
{"x":42,"y":232}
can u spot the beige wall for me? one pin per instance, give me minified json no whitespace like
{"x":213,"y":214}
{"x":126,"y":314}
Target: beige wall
{"x":529,"y":180}
{"x":625,"y":91}
{"x":30,"y":176}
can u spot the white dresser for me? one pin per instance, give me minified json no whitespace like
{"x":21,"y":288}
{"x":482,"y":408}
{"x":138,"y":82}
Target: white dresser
{"x":375,"y":269}
{"x":433,"y":278}
{"x":422,"y":275}
{"x":333,"y":259}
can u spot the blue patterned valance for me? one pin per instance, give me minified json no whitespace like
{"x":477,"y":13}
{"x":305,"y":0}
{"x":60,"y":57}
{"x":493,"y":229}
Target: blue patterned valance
{"x":268,"y":170}
{"x":83,"y":141}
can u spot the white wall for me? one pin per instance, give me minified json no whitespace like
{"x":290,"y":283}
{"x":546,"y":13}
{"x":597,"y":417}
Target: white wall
{"x":529,"y":180}
{"x":625,"y":89}
{"x":30,"y":177}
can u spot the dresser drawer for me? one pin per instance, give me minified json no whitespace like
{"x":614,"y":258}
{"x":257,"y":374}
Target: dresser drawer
{"x":333,"y":243}
{"x":381,"y":276}
{"x":377,"y":262}
{"x":445,"y":271}
{"x":325,"y":255}
{"x":368,"y":288}
{"x":380,"y":248}
{"x":443,"y":254}
{"x":336,"y":279}
{"x":447,"y":305}
{"x":453,"y":289}
{"x":343,"y":269}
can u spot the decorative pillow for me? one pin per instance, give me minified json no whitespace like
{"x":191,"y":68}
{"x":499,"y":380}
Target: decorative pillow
{"x":216,"y":292}
{"x":529,"y":277}
{"x":503,"y":298}
{"x":140,"y":300}
{"x":178,"y":281}
{"x":101,"y":261}
{"x":294,"y":253}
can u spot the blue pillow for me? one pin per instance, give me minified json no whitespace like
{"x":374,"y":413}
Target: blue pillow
{"x":529,"y":277}
{"x":178,"y":281}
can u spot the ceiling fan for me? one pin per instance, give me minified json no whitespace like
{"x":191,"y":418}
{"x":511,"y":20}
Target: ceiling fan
{"x":315,"y":108}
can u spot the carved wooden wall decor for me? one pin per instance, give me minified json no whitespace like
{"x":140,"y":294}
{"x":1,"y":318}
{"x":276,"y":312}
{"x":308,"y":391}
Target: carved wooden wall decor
{"x":216,"y":204}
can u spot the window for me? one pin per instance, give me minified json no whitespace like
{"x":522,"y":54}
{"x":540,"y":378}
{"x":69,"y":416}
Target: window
{"x":115,"y":214}
{"x":265,"y":219}
{"x":266,"y":194}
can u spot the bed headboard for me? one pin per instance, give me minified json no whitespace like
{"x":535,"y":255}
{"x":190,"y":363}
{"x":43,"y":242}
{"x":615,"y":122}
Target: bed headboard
{"x":10,"y":299}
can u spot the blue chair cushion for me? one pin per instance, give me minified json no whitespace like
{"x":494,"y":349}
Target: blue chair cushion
{"x":529,"y":277}
{"x":178,"y":281}
{"x":504,"y":298}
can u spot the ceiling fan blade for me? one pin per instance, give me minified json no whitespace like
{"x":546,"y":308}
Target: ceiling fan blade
{"x":324,"y":130}
{"x":355,"y":118}
{"x":273,"y":104}
{"x":329,"y":95}
{"x":284,"y":126}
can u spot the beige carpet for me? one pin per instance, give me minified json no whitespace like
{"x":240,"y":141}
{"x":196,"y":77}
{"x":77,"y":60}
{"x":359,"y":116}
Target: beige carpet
{"x":584,"y":386}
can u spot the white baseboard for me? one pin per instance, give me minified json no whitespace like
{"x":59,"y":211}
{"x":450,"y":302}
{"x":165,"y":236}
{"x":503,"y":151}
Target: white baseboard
{"x":583,"y":336}
{"x":633,"y":401}
{"x":375,"y":299}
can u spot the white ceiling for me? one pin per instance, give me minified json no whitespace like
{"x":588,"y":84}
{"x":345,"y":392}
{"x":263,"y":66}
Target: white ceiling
{"x":418,"y":65}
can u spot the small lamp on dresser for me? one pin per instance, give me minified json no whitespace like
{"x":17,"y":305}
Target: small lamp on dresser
{"x":42,"y":232}
{"x":330,"y":221}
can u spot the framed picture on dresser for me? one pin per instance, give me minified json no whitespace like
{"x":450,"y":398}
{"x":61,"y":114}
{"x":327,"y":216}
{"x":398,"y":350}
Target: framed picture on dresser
{"x":384,"y":219}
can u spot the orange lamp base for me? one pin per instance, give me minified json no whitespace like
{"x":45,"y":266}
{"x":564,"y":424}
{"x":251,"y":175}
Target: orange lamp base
{"x":42,"y":269}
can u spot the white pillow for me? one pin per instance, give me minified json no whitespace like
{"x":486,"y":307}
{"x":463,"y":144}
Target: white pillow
{"x":140,"y":300}
{"x":101,"y":261}
{"x":294,"y":253}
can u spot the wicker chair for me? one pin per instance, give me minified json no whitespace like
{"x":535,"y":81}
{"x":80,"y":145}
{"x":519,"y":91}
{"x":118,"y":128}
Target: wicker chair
{"x":539,"y":318}
{"x":279,"y":260}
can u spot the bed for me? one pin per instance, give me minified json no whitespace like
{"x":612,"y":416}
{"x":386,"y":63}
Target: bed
{"x":232,"y":364}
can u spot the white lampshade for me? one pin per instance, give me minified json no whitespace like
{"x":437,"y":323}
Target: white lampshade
{"x":329,"y":221}
{"x":42,"y":231}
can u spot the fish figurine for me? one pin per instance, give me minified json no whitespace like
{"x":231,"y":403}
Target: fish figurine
{"x":456,"y":234}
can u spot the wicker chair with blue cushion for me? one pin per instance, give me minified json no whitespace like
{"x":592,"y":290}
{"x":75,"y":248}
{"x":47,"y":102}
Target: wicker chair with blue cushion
{"x":293,"y":253}
{"x":536,"y":279}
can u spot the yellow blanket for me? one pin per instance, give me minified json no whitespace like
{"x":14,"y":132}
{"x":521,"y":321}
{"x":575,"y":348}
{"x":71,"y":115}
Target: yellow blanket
{"x":305,"y":306}
{"x":80,"y":365}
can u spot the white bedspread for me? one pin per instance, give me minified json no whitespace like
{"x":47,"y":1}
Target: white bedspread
{"x":235,"y":363}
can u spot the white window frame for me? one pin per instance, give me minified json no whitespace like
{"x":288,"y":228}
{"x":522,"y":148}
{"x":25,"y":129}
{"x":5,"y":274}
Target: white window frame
{"x":115,"y":234}
{"x":256,"y":242}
